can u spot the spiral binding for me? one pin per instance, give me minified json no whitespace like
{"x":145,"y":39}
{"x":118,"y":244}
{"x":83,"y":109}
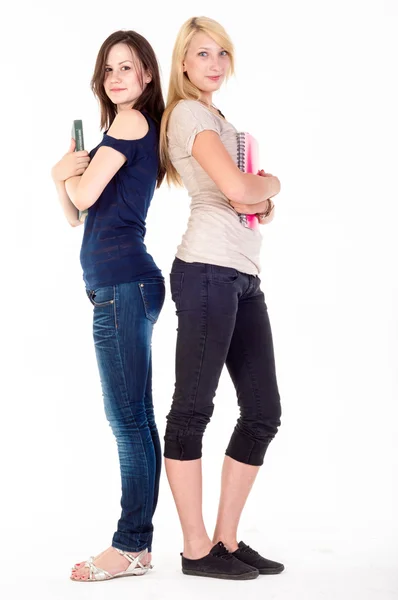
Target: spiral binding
{"x":240,"y":159}
{"x":241,"y":155}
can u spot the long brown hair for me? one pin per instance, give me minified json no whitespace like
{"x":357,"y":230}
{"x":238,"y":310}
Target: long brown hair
{"x":180,"y":87}
{"x":151,"y":99}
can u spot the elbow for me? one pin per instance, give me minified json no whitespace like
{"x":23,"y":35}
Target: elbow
{"x":82,"y":202}
{"x":275,"y":187}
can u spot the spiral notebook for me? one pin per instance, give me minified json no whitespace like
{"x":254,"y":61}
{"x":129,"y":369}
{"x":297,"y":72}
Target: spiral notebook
{"x":77,"y":134}
{"x":248,"y":162}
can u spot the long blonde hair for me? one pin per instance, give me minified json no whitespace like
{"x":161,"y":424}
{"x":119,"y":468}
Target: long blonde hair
{"x":180,"y":87}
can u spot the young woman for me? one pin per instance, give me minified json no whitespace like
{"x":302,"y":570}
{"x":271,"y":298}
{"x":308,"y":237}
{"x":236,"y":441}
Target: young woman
{"x":222,"y":316}
{"x":116,"y":182}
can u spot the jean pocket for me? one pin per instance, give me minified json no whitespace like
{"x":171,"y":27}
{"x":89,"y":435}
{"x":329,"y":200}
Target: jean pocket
{"x":101,"y":297}
{"x":222,"y":275}
{"x":152,"y":293}
{"x":176,"y":281}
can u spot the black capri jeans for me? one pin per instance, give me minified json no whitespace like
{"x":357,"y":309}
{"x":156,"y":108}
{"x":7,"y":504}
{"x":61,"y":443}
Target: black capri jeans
{"x":222,"y":319}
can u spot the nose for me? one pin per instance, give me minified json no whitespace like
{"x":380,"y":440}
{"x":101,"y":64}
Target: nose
{"x":116,"y":77}
{"x":215,"y":64}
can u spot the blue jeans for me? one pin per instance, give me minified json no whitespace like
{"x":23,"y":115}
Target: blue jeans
{"x":124,"y":316}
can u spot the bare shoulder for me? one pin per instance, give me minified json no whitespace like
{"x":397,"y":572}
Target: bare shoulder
{"x":129,"y":125}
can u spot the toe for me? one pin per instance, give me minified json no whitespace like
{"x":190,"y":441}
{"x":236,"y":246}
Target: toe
{"x":79,"y":574}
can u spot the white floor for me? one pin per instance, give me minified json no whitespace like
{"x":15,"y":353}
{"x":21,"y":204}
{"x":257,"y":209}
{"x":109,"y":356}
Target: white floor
{"x":330,"y":567}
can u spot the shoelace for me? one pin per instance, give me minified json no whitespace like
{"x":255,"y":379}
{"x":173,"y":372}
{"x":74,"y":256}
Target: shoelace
{"x":250,"y":551}
{"x":222,"y":552}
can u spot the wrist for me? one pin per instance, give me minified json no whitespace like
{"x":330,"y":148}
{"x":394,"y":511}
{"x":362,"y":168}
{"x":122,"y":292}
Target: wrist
{"x":54,"y":177}
{"x":59,"y":183}
{"x":268,"y":210}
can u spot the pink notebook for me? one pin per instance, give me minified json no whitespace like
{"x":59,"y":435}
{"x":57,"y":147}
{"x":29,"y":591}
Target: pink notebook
{"x":248,"y":162}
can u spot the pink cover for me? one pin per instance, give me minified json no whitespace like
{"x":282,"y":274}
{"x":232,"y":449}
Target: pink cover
{"x":248,"y":162}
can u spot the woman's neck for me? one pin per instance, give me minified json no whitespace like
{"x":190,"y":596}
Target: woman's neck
{"x":212,"y":108}
{"x":206,"y":98}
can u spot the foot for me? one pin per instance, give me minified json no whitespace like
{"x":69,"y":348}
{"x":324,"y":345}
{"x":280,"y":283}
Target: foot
{"x":110,"y":560}
{"x":81,"y":564}
{"x":220,"y":564}
{"x":250,"y":557}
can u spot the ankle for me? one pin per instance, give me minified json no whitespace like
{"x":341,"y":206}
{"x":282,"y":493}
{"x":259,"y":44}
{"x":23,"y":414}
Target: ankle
{"x":229,"y":541}
{"x":146,"y":559}
{"x":195,"y":548}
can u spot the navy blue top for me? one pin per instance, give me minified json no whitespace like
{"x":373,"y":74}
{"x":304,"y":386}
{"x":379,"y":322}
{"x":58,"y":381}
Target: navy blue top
{"x":113,"y":249}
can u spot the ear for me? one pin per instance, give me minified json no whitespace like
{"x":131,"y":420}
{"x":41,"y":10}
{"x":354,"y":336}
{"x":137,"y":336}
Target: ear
{"x":148,"y":77}
{"x":184,"y":68}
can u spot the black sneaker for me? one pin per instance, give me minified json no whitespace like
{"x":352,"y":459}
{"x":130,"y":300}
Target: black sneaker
{"x":249,"y":556}
{"x":219,"y":563}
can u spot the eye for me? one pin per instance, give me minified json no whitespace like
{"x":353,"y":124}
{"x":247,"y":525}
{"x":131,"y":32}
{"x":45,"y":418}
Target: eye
{"x":108,"y":69}
{"x":224,"y":53}
{"x":202,"y":53}
{"x":126,"y":68}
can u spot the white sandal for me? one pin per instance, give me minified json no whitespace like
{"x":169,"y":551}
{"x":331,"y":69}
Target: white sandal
{"x":135,"y":567}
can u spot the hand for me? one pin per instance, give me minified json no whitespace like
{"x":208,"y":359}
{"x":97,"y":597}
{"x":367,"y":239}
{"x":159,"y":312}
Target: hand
{"x":73,"y":163}
{"x":262,"y":173}
{"x":263,"y":220}
{"x":252,"y":209}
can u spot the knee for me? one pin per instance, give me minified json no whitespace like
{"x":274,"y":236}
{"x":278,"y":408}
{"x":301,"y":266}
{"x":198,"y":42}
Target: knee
{"x":189,"y":414}
{"x":262,"y":421}
{"x":126,"y":421}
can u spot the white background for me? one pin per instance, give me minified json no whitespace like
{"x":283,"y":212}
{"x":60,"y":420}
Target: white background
{"x":316,"y":84}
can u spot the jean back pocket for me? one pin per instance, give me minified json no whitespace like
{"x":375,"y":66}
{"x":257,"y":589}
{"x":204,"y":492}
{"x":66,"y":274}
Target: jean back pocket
{"x":153,"y":294}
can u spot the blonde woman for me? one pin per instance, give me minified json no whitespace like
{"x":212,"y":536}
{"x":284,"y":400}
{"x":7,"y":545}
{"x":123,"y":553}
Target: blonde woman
{"x":222,"y":316}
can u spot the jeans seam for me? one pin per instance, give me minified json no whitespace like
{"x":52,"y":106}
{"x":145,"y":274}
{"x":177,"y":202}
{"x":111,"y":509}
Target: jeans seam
{"x":177,"y":296}
{"x":115,"y":309}
{"x":253,"y":380}
{"x":126,"y":396}
{"x":141,"y":288}
{"x":90,"y":295}
{"x":205,"y":319}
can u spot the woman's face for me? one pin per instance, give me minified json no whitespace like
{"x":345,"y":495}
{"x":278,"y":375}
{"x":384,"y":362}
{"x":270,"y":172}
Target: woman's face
{"x":124,"y":80}
{"x":206,"y":63}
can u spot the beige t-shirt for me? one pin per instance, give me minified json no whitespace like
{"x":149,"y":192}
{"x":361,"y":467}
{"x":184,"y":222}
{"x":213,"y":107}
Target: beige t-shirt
{"x":214,"y":234}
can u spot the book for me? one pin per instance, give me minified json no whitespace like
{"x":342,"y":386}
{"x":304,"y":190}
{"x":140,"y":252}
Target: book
{"x":248,"y":162}
{"x":77,"y":134}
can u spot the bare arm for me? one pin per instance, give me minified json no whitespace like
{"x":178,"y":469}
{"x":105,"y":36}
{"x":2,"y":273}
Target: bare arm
{"x":243,"y":188}
{"x":264,"y":210}
{"x":84,"y":191}
{"x":71,"y":164}
{"x":264,"y":220}
{"x":250,"y":209}
{"x":70,"y":211}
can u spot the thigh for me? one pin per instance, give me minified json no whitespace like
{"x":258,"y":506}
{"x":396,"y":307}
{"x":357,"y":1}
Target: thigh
{"x":206,"y":300}
{"x":250,"y":360}
{"x":124,"y":315}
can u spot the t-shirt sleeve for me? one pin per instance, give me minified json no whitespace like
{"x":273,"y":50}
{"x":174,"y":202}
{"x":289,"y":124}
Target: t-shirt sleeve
{"x":126,"y":147}
{"x":188,"y":119}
